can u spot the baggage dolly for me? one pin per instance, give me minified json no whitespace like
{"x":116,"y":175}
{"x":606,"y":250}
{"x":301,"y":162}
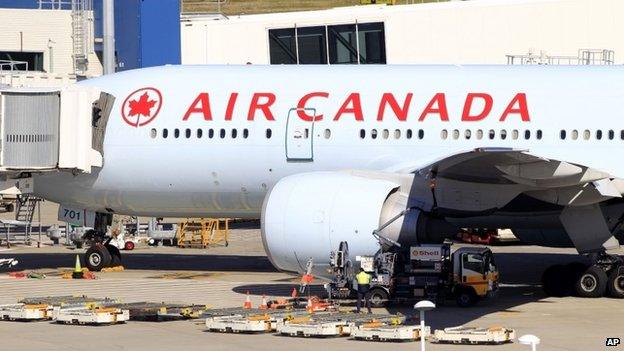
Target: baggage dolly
{"x":388,"y":332}
{"x":24,"y":312}
{"x":94,"y":315}
{"x":330,"y":324}
{"x":471,"y":335}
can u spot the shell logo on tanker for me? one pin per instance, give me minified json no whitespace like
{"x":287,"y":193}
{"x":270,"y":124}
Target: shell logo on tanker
{"x":477,"y":106}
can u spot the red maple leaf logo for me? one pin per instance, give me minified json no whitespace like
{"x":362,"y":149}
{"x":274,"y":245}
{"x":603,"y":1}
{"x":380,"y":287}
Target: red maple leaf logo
{"x":143,"y":106}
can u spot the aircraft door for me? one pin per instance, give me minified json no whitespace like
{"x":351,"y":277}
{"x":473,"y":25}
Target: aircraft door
{"x":299,"y":136}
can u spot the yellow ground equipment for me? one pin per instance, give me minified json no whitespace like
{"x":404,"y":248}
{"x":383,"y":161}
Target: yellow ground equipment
{"x":203,"y":233}
{"x":432,"y":272}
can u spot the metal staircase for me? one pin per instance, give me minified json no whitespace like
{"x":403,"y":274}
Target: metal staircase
{"x":25,"y":210}
{"x":82,"y":16}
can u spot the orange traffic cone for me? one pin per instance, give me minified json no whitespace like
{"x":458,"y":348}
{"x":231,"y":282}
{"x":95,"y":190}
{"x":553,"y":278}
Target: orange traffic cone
{"x":247,"y":304}
{"x":294,"y":293}
{"x":77,"y":274}
{"x":264,"y":305}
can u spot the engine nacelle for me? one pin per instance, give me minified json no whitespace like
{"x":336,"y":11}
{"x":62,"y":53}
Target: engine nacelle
{"x":307,"y":215}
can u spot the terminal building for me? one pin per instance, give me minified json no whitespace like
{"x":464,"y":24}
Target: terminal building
{"x":55,"y":42}
{"x":454,"y":32}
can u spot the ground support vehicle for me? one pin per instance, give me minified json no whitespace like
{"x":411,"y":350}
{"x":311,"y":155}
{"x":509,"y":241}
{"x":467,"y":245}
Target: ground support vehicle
{"x":432,"y":272}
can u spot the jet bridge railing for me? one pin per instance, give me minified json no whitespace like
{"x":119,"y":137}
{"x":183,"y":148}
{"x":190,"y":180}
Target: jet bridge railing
{"x":47,"y":129}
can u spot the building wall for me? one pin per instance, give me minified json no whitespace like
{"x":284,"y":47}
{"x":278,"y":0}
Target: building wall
{"x":46,"y":31}
{"x":459,"y":32}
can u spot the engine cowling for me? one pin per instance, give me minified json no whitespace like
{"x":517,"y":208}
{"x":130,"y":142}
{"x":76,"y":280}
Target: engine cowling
{"x":307,"y":216}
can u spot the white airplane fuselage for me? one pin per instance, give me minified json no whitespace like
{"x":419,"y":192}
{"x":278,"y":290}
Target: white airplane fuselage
{"x":449,"y":110}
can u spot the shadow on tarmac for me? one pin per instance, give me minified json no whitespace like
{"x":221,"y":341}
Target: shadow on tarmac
{"x":152,"y":261}
{"x":520,"y":279}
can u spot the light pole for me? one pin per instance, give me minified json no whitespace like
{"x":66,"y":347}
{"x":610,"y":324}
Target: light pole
{"x":423,"y":306}
{"x":529,"y":340}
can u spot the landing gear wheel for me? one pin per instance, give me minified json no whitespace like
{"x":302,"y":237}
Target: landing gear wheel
{"x":115,"y":255}
{"x":592,"y":282}
{"x":97,"y":257}
{"x":615,"y":284}
{"x":378,"y":297}
{"x":554,"y":281}
{"x":129,"y":246}
{"x":466,"y":297}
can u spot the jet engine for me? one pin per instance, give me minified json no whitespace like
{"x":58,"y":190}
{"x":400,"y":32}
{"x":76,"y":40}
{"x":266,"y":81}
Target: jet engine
{"x":306,"y":216}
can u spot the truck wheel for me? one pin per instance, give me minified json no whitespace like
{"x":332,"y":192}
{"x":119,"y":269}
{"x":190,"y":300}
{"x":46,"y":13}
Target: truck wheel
{"x":378,"y":297}
{"x":554,"y":281}
{"x":97,"y":257}
{"x":466,"y":297}
{"x":115,"y":255}
{"x":615,"y":285}
{"x":592,"y":282}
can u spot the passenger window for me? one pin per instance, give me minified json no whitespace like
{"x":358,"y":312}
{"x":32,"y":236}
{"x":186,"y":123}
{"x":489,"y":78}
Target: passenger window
{"x":539,"y":134}
{"x":574,"y":134}
{"x":165,"y":133}
{"x":386,"y":134}
{"x":562,"y":134}
{"x":245,"y":133}
{"x":327,"y":134}
{"x":503,"y":134}
{"x":306,"y":133}
{"x":444,"y":134}
{"x":479,"y":134}
{"x":234,"y":133}
{"x":586,"y":134}
{"x":421,"y":134}
{"x":599,"y":134}
{"x":467,"y":134}
{"x":153,"y":133}
{"x":374,"y":133}
{"x":622,"y":134}
{"x":187,"y":133}
{"x":222,"y":133}
{"x":514,"y":134}
{"x":408,"y":133}
{"x":269,"y":133}
{"x":362,"y":134}
{"x":491,"y":134}
{"x":527,"y":134}
{"x":210,"y":133}
{"x":199,"y":133}
{"x":611,"y":134}
{"x":176,"y":133}
{"x":397,"y":134}
{"x":455,"y":134}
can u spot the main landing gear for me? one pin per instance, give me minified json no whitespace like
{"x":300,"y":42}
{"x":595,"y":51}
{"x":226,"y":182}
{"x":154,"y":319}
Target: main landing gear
{"x":604,"y":277}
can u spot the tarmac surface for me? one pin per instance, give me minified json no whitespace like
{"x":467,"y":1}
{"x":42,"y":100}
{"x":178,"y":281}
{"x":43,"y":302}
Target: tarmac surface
{"x":221,"y":276}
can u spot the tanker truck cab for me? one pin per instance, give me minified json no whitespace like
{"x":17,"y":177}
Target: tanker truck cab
{"x":474,"y":276}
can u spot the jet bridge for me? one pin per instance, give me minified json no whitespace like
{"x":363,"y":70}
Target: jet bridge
{"x":43,"y":130}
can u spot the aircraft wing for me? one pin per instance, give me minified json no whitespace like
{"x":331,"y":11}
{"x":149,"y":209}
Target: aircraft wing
{"x":487,"y":179}
{"x":555,"y":181}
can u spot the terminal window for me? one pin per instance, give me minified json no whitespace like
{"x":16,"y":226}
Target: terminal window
{"x":21,"y":61}
{"x":362,"y":43}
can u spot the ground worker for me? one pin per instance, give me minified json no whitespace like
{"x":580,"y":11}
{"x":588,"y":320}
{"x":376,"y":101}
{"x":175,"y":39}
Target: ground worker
{"x":363,"y":286}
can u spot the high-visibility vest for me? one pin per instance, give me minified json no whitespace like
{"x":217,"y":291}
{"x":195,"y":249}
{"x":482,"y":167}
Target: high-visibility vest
{"x":363,"y":278}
